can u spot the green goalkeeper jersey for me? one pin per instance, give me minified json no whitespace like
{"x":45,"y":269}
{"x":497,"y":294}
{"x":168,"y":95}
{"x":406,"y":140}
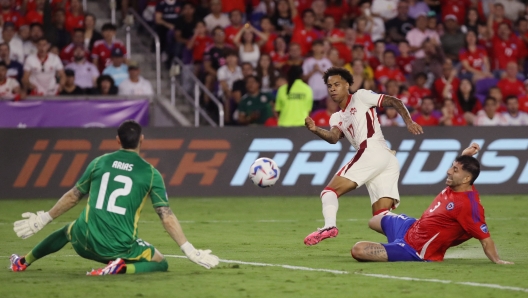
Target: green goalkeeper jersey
{"x":119,"y":184}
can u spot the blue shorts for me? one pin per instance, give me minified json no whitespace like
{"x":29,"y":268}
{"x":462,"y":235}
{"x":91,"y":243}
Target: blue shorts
{"x":397,"y":249}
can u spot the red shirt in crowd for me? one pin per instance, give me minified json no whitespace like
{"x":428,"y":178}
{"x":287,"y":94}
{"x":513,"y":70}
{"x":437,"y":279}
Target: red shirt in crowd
{"x":405,"y":64}
{"x":344,"y":52}
{"x":302,"y":5}
{"x":269,"y":46}
{"x":200,"y":44}
{"x":366,"y":41}
{"x":101,"y":51}
{"x":508,"y":87}
{"x":337,"y":11}
{"x":496,"y":24}
{"x":458,"y":121}
{"x":66,"y":54}
{"x":416,"y":94}
{"x":439,"y":85}
{"x":523,"y":103}
{"x":278,"y":58}
{"x":73,"y":22}
{"x":458,"y":8}
{"x":505,"y":51}
{"x":34,"y":17}
{"x":384,"y":73}
{"x":475,"y":59}
{"x":374,"y":62}
{"x":229,"y":6}
{"x":230,"y":33}
{"x":14,"y":17}
{"x":426,"y":120}
{"x":321,"y":118}
{"x":305,"y":38}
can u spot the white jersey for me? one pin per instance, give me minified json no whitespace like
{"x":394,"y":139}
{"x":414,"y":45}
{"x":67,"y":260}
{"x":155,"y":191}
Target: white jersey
{"x":520,"y":120}
{"x":6,"y":89}
{"x":359,"y":121}
{"x":483,"y":119}
{"x":42,"y":74}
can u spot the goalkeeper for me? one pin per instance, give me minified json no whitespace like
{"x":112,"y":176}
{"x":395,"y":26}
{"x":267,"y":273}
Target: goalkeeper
{"x":118,"y":185}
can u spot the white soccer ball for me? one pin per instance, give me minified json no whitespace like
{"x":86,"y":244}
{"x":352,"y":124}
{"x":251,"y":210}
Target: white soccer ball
{"x":264,"y":172}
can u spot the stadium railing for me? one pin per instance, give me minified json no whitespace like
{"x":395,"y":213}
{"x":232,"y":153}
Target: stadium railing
{"x":181,"y":71}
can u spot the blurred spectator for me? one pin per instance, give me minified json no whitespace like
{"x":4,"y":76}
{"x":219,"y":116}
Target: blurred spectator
{"x":214,"y":58}
{"x":294,"y":100}
{"x":15,"y":70}
{"x":446,"y":86}
{"x":57,"y":33}
{"x":268,"y":35}
{"x":431,"y":64}
{"x":239,"y":86}
{"x":468,"y":103}
{"x":417,"y":7}
{"x":375,"y":24}
{"x":41,"y":70}
{"x":513,"y":116}
{"x":228,"y":74}
{"x":66,"y":54}
{"x":74,"y":16}
{"x":106,"y":86}
{"x":90,"y":34}
{"x":387,"y":9}
{"x":418,"y":91}
{"x":230,"y":5}
{"x":398,"y":27}
{"x":305,"y":34}
{"x":255,"y":106}
{"x":333,"y":56}
{"x":458,"y":8}
{"x":510,"y":85}
{"x":118,"y":70}
{"x":15,"y":44}
{"x":425,"y":117}
{"x":35,"y":16}
{"x":135,"y":84}
{"x":391,"y":118}
{"x":336,"y":37}
{"x":362,"y":77}
{"x":235,"y":20}
{"x":472,"y":21}
{"x":198,"y":44}
{"x":35,"y":34}
{"x":295,"y":57}
{"x":489,"y":116}
{"x":496,"y":18}
{"x":86,"y":73}
{"x":496,"y":93}
{"x":282,"y":18}
{"x":417,"y":36}
{"x":279,"y":55}
{"x":453,"y":39}
{"x":23,"y":33}
{"x":506,"y":47}
{"x":266,"y":73}
{"x":167,"y":11}
{"x":404,"y":60}
{"x":216,"y":18}
{"x":10,"y":15}
{"x":248,"y":48}
{"x":450,"y":116}
{"x":474,"y":59}
{"x":183,"y":31}
{"x":9,"y":87}
{"x":319,"y":7}
{"x":362,"y":36}
{"x":102,"y":48}
{"x":313,"y":70}
{"x":513,"y":9}
{"x":70,"y":88}
{"x":377,"y":57}
{"x":389,"y":70}
{"x":523,"y":100}
{"x":322,"y":117}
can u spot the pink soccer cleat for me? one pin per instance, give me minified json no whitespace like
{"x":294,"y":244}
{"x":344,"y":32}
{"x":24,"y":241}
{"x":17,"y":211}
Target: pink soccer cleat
{"x":114,"y":267}
{"x":17,"y":264}
{"x":320,"y":235}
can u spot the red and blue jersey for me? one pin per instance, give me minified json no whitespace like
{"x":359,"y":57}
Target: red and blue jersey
{"x":451,"y":219}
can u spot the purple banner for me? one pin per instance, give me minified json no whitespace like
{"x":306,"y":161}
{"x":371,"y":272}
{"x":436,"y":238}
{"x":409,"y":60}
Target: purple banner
{"x":72,"y":113}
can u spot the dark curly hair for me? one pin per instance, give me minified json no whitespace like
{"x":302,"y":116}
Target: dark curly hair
{"x":338,"y":71}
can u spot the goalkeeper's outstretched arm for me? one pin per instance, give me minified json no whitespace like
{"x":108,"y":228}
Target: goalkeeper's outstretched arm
{"x":66,"y":202}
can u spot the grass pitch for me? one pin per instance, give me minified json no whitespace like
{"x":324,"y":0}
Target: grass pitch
{"x":271,"y":231}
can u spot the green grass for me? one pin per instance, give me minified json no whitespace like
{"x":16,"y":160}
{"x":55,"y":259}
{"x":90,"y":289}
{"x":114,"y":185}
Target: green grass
{"x":271,"y":230}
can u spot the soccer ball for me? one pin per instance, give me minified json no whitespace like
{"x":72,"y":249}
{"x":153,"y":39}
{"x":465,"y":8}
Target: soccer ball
{"x":264,"y":172}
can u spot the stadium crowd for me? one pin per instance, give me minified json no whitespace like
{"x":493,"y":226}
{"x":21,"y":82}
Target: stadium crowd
{"x":50,"y":48}
{"x":452,"y":62}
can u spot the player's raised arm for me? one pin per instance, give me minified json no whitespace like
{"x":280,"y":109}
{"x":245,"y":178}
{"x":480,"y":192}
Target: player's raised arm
{"x":331,"y":136}
{"x":473,"y":149}
{"x":491,"y":251}
{"x":413,"y":127}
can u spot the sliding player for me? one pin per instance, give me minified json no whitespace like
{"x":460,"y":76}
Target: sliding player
{"x":454,"y":217}
{"x":118,"y":184}
{"x":374,"y":164}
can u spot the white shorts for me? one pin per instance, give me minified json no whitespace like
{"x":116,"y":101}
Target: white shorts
{"x":378,"y":169}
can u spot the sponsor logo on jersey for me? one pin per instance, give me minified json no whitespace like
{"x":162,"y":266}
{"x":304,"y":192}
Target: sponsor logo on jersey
{"x":450,"y":206}
{"x":484,"y":228}
{"x":122,"y":166}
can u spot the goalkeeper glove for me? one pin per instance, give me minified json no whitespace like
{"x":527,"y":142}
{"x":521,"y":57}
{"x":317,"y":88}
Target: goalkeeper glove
{"x":203,"y":258}
{"x":35,"y":222}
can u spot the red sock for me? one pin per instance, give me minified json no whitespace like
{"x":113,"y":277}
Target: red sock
{"x":379,"y":211}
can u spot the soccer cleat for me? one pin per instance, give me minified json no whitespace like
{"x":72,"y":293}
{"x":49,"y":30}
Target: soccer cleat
{"x":320,"y":235}
{"x":114,"y":267}
{"x":16,"y":263}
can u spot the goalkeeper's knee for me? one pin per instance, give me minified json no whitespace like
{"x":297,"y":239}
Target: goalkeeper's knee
{"x":164,"y":265}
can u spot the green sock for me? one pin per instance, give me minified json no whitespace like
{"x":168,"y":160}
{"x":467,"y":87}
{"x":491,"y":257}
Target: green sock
{"x":53,"y":243}
{"x":143,"y":267}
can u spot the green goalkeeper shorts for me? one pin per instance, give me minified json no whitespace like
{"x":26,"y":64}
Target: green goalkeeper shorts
{"x":139,"y":251}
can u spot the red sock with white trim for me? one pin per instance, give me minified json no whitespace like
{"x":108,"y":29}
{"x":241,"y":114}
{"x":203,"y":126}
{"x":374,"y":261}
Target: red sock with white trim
{"x":330,"y":206}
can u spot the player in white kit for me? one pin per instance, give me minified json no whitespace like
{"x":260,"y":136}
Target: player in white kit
{"x":374,"y":164}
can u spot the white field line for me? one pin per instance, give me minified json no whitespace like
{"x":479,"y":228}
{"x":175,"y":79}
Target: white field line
{"x":300,"y":268}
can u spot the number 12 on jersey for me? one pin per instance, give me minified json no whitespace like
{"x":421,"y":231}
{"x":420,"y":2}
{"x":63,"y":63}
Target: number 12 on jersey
{"x":115,"y":194}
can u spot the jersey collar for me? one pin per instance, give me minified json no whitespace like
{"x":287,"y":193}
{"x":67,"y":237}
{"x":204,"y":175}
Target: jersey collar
{"x":348,"y":101}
